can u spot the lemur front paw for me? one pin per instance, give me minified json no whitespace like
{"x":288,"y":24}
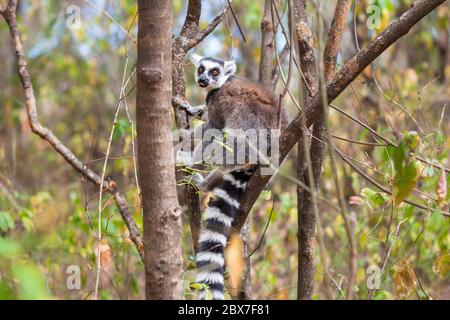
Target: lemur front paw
{"x":192,"y":110}
{"x":185,"y":105}
{"x":197,"y":180}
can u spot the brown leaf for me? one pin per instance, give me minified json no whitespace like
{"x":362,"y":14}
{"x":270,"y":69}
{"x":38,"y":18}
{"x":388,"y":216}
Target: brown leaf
{"x":105,"y":256}
{"x":404,"y":279}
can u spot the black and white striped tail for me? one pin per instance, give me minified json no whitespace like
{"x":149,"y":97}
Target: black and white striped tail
{"x":217,"y":220}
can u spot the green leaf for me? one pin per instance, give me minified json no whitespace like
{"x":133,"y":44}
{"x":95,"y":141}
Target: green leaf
{"x":408,"y":211}
{"x":405,"y":180}
{"x":375,"y":198}
{"x":434,"y":222}
{"x":412,"y":140}
{"x":440,"y":138}
{"x":208,"y":295}
{"x":399,"y":155}
{"x":441,"y":265}
{"x":383,"y":295}
{"x":6,"y":221}
{"x":26,"y":213}
{"x":6,"y":292}
{"x":122,"y":128}
{"x":31,"y":283}
{"x":8,"y":248}
{"x":198,"y":286}
{"x":266,"y":195}
{"x":28,"y":224}
{"x":390,"y":6}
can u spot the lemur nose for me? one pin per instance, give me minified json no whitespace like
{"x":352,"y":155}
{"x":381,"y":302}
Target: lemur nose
{"x":203,"y":81}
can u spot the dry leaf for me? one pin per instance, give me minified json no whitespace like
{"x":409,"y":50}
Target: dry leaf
{"x":105,"y":256}
{"x":404,"y":279}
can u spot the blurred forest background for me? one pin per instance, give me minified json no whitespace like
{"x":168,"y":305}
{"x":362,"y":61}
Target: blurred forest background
{"x":47,"y":210}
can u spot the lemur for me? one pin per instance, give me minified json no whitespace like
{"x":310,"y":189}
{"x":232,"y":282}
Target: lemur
{"x":232,"y":102}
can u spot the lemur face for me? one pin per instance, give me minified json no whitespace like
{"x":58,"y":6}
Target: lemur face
{"x":212,"y":73}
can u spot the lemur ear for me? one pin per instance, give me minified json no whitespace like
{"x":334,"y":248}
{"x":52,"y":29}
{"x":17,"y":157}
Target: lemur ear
{"x":195,"y":58}
{"x":230,"y":67}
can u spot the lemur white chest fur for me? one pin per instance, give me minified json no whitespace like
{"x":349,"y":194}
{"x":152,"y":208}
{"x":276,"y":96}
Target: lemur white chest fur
{"x":232,"y":103}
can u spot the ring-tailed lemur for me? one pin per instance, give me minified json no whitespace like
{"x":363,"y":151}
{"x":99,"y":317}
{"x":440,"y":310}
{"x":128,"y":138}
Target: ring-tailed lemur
{"x":232,"y":103}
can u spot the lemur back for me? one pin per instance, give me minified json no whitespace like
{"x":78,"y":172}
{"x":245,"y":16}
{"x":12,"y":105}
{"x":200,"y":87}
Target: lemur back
{"x":243,"y":104}
{"x":232,"y":103}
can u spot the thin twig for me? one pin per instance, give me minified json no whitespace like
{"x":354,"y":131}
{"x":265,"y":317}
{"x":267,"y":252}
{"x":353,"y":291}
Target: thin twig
{"x":103,"y":174}
{"x":373,"y":144}
{"x":236,"y":20}
{"x":265,"y":230}
{"x":104,"y":12}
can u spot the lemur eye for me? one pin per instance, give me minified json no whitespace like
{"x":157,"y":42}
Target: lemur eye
{"x":215,"y":72}
{"x":201,"y":70}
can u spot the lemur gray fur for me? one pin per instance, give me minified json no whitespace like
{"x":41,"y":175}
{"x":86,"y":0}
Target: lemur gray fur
{"x":232,"y":103}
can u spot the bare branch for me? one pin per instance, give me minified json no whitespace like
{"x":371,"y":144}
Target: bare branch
{"x":236,"y":21}
{"x":267,"y":45}
{"x":309,"y":165}
{"x":306,"y":51}
{"x":335,"y":36}
{"x":329,"y":61}
{"x":275,"y":71}
{"x":210,"y":28}
{"x":190,"y":26}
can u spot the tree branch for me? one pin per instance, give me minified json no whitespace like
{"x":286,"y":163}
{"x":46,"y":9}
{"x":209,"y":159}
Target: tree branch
{"x":309,"y":164}
{"x":335,"y":36}
{"x":188,"y":38}
{"x":210,"y":28}
{"x":267,"y":45}
{"x":329,"y":59}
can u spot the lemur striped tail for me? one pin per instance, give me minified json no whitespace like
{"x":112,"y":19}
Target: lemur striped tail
{"x":217,"y":220}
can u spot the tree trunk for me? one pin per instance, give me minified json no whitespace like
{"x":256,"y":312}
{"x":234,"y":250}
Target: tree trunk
{"x":266,"y":64}
{"x":187,"y":195}
{"x":162,"y":214}
{"x":306,"y":217}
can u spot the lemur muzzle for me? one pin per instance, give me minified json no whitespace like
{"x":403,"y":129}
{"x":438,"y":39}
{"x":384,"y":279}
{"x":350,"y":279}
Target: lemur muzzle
{"x":203,"y":81}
